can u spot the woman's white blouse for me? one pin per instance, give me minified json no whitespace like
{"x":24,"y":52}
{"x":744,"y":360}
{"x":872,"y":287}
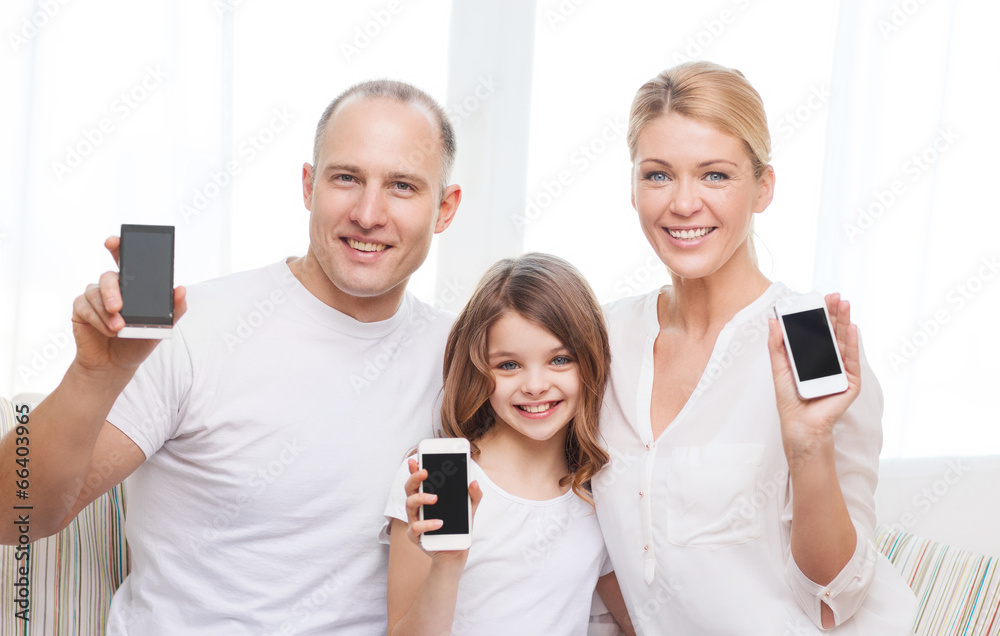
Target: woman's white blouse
{"x":698,"y":521}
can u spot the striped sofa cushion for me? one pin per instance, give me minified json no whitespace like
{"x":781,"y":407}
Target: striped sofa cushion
{"x":958,"y":591}
{"x":71,"y":575}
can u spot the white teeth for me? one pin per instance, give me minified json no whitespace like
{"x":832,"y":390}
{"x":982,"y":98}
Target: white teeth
{"x":537,"y":408}
{"x":690,"y":234}
{"x":366,"y":247}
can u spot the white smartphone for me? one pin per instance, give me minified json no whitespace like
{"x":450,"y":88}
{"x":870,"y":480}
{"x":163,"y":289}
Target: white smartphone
{"x":447,"y":462}
{"x":146,"y":280}
{"x":811,"y":345}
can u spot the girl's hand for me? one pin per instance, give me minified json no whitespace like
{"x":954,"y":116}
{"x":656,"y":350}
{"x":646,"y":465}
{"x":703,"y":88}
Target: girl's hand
{"x":416,"y":527}
{"x":423,"y":586}
{"x":807,"y":425}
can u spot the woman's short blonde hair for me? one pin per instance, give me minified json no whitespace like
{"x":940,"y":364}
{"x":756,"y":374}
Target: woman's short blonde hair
{"x":708,"y":92}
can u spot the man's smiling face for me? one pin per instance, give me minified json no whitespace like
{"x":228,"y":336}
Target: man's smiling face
{"x":375,"y":199}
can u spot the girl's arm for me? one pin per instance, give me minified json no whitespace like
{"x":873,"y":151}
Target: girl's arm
{"x":611,"y":594}
{"x":823,"y":536}
{"x":423,"y":586}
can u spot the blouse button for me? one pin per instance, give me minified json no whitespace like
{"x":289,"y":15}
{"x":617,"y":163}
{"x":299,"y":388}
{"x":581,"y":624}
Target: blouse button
{"x":828,"y":593}
{"x":645,"y":547}
{"x":641,"y":493}
{"x":647,"y":446}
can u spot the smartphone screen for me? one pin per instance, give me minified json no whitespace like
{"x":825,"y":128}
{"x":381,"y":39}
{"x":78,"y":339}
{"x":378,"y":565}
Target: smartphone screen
{"x":146,"y":274}
{"x":811,"y":344}
{"x":448,"y":478}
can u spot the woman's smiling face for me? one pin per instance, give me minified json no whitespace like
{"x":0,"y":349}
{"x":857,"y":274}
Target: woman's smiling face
{"x":694,"y":189}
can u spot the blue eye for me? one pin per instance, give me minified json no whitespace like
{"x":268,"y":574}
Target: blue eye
{"x":508,"y":366}
{"x":658,"y":177}
{"x":561,"y":360}
{"x":717,"y":176}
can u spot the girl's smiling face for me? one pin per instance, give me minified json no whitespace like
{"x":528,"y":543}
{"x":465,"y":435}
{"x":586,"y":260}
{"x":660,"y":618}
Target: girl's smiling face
{"x":694,"y":189}
{"x":537,"y":381}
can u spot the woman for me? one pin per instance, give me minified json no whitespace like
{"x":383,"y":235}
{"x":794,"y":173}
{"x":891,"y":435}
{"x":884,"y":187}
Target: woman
{"x":708,"y":437}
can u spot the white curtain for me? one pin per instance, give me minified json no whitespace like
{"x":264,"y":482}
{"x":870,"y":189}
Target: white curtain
{"x":197,"y":114}
{"x":200,"y":113}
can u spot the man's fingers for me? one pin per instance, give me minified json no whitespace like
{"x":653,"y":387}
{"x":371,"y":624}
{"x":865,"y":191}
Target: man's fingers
{"x":96,"y":297}
{"x":180,"y":303}
{"x":85,"y":312}
{"x":111,"y":293}
{"x":113,"y":243}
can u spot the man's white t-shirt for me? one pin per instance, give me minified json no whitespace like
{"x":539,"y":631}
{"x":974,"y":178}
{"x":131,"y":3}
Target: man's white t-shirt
{"x":271,"y":424}
{"x":532,"y":567}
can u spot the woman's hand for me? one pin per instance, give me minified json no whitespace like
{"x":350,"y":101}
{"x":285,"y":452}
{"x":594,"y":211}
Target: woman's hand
{"x":416,"y":527}
{"x":807,"y":425}
{"x":823,"y":537}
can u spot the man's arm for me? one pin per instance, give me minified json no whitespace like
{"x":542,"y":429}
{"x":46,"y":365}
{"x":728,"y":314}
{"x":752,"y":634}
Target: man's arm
{"x":69,"y":437}
{"x":74,"y":456}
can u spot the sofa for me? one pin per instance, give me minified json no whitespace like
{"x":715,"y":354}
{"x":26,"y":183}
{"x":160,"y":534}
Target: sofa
{"x":940,"y":527}
{"x":937,"y":523}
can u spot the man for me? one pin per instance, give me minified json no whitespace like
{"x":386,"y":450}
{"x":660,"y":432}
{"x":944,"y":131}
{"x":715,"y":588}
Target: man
{"x":260,"y":457}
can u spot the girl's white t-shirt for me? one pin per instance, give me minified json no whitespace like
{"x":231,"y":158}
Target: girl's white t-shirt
{"x":532,"y":567}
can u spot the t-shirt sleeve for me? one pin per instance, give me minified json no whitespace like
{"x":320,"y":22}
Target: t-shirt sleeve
{"x":857,"y":444}
{"x":395,"y":505}
{"x":152,"y":405}
{"x":606,"y":566}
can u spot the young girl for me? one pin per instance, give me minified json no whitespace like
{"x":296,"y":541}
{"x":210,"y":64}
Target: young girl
{"x":524,"y":374}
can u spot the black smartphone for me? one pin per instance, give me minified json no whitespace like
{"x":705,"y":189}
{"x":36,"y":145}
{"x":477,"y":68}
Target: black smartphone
{"x":146,"y":280}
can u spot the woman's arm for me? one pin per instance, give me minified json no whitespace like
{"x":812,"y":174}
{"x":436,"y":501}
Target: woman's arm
{"x":423,"y":586}
{"x":611,"y":594}
{"x":823,"y":536}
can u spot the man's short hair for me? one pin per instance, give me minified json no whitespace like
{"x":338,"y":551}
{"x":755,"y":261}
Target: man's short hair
{"x":403,"y":93}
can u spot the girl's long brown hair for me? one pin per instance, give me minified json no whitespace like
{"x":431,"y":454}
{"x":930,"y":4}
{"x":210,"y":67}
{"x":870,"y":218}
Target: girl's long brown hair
{"x":550,"y":292}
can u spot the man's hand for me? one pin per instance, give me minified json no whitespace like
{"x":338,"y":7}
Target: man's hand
{"x":97,"y":321}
